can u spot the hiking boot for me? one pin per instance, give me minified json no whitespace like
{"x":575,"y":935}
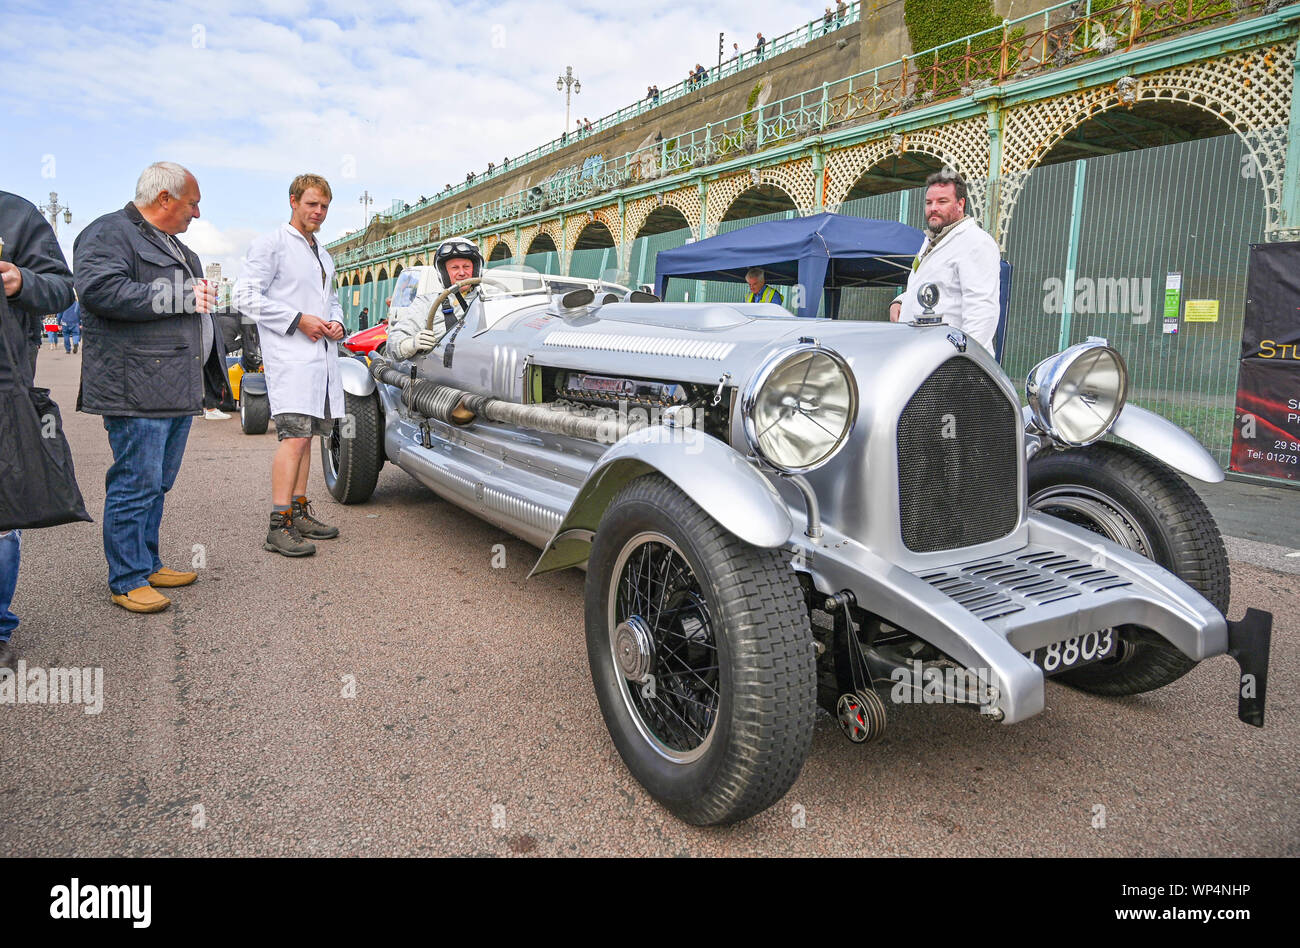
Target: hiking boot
{"x":308,"y":525}
{"x":142,"y":599}
{"x":283,"y":537}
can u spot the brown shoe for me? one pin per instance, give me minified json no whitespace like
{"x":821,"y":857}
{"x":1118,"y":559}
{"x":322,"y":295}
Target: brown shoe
{"x":167,"y":578}
{"x":8,"y":658}
{"x":142,"y":599}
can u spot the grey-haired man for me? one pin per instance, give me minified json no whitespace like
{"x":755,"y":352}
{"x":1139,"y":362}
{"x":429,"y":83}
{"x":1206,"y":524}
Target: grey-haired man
{"x":147,"y":338}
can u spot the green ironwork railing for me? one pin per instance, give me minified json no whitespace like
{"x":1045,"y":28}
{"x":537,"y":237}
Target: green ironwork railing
{"x":1060,"y":35}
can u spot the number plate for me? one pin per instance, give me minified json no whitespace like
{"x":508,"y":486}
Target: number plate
{"x":1075,"y":652}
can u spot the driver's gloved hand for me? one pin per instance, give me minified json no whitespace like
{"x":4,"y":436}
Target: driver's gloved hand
{"x":422,"y":341}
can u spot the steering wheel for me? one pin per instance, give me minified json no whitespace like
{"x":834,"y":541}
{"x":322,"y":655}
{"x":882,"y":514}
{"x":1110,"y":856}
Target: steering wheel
{"x":463,"y":285}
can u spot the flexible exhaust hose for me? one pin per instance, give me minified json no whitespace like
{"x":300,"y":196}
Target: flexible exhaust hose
{"x":428,"y":398}
{"x":439,"y":401}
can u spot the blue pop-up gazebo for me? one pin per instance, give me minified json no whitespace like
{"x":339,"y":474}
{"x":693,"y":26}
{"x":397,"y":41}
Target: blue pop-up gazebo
{"x":825,"y":251}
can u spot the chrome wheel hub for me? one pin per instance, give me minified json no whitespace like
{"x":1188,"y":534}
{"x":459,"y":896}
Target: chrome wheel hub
{"x":633,"y":649}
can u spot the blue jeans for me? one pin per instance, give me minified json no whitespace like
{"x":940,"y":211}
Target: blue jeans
{"x":146,"y":458}
{"x":69,"y":337}
{"x":10,"y":548}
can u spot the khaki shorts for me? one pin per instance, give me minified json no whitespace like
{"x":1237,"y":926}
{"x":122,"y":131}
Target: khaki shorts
{"x":292,"y":425}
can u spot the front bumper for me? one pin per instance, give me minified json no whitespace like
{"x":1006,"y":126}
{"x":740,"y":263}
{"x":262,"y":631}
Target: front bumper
{"x":1064,"y":582}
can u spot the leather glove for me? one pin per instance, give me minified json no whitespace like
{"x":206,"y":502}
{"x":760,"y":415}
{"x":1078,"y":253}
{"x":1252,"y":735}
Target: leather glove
{"x":422,"y":341}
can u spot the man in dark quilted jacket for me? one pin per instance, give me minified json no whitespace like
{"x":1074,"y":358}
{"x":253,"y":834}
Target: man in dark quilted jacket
{"x":148,"y":338}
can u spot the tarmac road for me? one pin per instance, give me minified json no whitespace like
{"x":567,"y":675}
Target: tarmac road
{"x":474,"y":728}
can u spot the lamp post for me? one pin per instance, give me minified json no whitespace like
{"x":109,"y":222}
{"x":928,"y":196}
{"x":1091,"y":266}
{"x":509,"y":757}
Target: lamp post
{"x":366,"y":200}
{"x":570,"y":86}
{"x":52,"y":211}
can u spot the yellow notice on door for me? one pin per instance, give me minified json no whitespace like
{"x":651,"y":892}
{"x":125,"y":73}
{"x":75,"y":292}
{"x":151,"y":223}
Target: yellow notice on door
{"x":356,"y":297}
{"x":1201,"y":311}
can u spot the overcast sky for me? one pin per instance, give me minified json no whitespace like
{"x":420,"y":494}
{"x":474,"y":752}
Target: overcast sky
{"x":397,"y":99}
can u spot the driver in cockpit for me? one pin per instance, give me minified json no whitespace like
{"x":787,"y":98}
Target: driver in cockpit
{"x":456,"y":260}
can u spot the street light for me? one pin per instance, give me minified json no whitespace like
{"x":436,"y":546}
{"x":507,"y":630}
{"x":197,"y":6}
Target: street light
{"x":574,"y":86}
{"x":365,"y":201}
{"x":52,"y":211}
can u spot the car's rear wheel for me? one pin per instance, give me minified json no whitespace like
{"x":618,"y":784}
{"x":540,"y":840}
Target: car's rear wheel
{"x":254,"y":413}
{"x":1142,"y":504}
{"x":352,"y":454}
{"x":701,"y":656}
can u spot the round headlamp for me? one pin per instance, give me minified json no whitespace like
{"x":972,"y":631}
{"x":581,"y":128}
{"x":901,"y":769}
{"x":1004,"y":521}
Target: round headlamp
{"x":1076,"y":395}
{"x":799,"y":408}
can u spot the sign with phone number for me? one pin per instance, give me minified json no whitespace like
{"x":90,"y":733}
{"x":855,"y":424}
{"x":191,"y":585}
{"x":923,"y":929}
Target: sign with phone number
{"x":1266,"y":422}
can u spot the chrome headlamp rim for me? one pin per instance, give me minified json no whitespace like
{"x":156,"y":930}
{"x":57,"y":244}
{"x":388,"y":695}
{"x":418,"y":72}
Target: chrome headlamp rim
{"x":750,"y":393}
{"x":1044,"y":380}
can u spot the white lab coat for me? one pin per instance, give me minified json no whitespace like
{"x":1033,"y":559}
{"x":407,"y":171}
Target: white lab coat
{"x":280,"y":279}
{"x":965,"y":268}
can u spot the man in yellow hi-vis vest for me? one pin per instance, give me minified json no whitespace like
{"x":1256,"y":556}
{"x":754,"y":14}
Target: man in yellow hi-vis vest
{"x":759,"y":291}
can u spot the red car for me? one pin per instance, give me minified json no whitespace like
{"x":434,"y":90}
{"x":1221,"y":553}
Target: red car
{"x":366,"y":341}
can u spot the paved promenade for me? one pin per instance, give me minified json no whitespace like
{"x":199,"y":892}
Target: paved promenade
{"x":226,"y":728}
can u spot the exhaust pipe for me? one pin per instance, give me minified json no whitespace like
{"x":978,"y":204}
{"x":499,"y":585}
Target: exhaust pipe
{"x":456,"y":407}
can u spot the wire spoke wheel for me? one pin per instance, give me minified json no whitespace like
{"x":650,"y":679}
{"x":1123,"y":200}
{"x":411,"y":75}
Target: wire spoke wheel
{"x":1094,"y":511}
{"x":701,"y":655}
{"x":671,"y":685}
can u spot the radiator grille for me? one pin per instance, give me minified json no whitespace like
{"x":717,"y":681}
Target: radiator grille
{"x":957,"y":454}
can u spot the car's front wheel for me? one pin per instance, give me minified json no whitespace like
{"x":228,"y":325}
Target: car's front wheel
{"x":352,"y":454}
{"x":701,"y":655}
{"x":1141,"y":504}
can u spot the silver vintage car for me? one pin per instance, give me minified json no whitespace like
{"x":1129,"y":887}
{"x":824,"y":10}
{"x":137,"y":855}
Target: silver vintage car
{"x":775,"y":512}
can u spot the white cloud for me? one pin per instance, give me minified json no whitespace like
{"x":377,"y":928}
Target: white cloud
{"x":221,"y":246}
{"x":411,"y":96}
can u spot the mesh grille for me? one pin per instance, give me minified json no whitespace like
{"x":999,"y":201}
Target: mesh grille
{"x":957,"y":448}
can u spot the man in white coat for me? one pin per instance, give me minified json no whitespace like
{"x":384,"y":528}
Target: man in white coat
{"x":960,"y":258}
{"x":287,"y":287}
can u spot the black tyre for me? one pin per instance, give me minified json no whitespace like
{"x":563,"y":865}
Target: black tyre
{"x":1142,"y":504}
{"x":254,"y":413}
{"x":701,"y":655}
{"x":351,"y":464}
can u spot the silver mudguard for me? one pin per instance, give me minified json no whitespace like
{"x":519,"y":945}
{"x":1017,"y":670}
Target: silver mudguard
{"x":1154,"y":434}
{"x":1163,"y":439}
{"x":356,"y":377}
{"x":714,"y":475}
{"x":985,"y":613}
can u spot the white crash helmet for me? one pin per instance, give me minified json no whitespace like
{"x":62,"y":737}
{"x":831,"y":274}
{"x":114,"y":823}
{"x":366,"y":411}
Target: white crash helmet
{"x":457,"y":248}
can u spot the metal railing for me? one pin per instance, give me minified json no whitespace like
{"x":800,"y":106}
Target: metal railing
{"x":797,"y":38}
{"x":1060,"y":35}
